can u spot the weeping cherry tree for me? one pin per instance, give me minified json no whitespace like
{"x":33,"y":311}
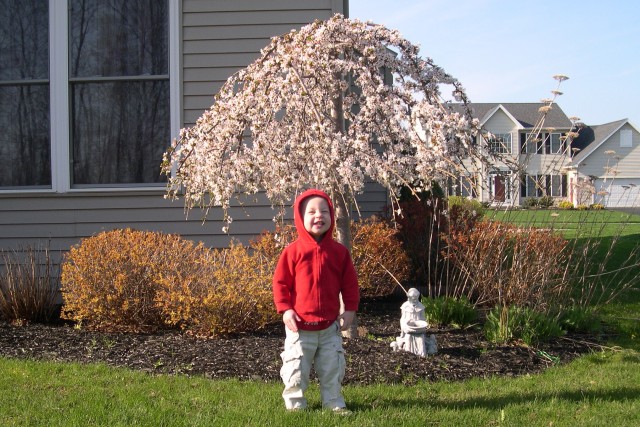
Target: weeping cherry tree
{"x":315,"y":110}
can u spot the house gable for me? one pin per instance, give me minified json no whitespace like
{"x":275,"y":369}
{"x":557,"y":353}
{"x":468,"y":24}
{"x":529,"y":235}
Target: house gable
{"x":605,"y":157}
{"x":493,"y":121}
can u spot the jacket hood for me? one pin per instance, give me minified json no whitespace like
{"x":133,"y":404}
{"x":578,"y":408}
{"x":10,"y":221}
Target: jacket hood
{"x":298,"y":214}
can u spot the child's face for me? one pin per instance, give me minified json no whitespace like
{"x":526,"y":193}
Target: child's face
{"x":316,"y":216}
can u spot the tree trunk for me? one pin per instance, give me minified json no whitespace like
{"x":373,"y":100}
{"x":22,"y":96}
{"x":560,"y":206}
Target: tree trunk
{"x":343,"y":235}
{"x":343,"y":217}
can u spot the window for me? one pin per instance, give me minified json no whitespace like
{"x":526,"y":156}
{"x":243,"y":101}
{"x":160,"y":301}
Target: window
{"x":626,"y":138}
{"x":467,"y":186}
{"x":543,"y":185}
{"x":499,"y":143}
{"x":25,"y":146}
{"x":542,"y":143}
{"x":89,"y":94}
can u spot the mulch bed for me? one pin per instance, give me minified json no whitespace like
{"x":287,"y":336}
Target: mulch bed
{"x":462,"y":354}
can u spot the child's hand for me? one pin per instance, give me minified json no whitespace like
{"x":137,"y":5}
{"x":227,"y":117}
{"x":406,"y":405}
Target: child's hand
{"x":291,"y":319}
{"x":347,"y":319}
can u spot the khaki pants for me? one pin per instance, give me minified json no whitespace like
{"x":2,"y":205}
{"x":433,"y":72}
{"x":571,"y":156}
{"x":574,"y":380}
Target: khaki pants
{"x":324,"y":350}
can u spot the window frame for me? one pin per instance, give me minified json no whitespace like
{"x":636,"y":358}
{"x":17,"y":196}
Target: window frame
{"x":555,"y":185}
{"x":466,"y":186}
{"x":498,"y":140}
{"x":59,"y":95}
{"x":544,"y":144}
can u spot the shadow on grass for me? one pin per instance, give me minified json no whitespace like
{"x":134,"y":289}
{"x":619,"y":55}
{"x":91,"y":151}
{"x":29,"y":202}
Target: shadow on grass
{"x":619,"y":394}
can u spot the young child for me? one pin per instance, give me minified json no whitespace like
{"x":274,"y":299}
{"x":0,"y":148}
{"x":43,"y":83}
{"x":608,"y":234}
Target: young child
{"x":310,"y":275}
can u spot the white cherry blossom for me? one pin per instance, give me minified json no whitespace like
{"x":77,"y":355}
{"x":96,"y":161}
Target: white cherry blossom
{"x":319,"y":109}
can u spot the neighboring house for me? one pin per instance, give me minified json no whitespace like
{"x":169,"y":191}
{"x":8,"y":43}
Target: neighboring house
{"x":524,"y":164}
{"x":606,"y":166}
{"x":600,"y":165}
{"x":92,"y":92}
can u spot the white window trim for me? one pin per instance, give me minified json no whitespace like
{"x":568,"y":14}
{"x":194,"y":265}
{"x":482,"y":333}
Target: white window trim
{"x":546,"y":136}
{"x":59,"y":96}
{"x":505,"y":148}
{"x":550,"y":188}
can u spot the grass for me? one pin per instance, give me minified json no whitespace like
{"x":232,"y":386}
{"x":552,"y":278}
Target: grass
{"x":574,"y":223}
{"x":602,"y":388}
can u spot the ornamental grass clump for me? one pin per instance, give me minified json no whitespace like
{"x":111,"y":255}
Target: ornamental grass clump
{"x":448,"y":311}
{"x":505,"y":324}
{"x":581,"y":320}
{"x":500,"y":263}
{"x":28,"y":285}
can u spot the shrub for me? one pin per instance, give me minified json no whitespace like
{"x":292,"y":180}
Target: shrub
{"x":546,"y":201}
{"x":233,"y":295}
{"x":456,"y":312}
{"x":28,"y":285}
{"x":463,"y":213}
{"x":110,"y":281}
{"x":565,"y":204}
{"x":504,"y":324}
{"x":530,"y":202}
{"x":419,"y":226}
{"x":472,"y":206}
{"x":582,"y":207}
{"x":499,"y":263}
{"x":378,"y":257}
{"x":597,"y":206}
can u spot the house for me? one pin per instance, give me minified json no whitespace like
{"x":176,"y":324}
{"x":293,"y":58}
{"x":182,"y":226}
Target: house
{"x":558,"y":158}
{"x":525,"y":158}
{"x":93,"y":91}
{"x":606,"y":166}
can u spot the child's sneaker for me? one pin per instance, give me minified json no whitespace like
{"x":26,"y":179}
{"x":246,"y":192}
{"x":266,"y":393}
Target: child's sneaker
{"x":341,"y":411}
{"x":297,"y":407}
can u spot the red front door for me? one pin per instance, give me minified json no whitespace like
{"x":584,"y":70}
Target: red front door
{"x":498,"y":188}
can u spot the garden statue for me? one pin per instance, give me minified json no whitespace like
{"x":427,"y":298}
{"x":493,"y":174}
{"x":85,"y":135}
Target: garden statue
{"x":413,"y":327}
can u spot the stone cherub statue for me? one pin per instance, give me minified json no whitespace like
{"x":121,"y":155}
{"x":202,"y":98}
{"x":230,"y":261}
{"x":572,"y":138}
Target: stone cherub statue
{"x":413,"y":327}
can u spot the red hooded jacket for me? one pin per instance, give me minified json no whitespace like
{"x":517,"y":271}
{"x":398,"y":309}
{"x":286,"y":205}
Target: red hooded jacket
{"x":310,"y":275}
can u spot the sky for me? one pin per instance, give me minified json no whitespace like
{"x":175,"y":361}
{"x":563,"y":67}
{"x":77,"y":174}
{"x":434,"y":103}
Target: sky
{"x":509,"y":50}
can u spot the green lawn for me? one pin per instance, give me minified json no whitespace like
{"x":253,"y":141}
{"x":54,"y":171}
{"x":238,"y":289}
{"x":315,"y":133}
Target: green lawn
{"x":602,"y":388}
{"x":598,"y":389}
{"x":573,"y":223}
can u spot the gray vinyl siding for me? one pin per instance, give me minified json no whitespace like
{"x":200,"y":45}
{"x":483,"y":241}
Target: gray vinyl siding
{"x":500,"y":123}
{"x":221,"y":37}
{"x":628,"y":165}
{"x":60,"y":221}
{"x":218,"y":37}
